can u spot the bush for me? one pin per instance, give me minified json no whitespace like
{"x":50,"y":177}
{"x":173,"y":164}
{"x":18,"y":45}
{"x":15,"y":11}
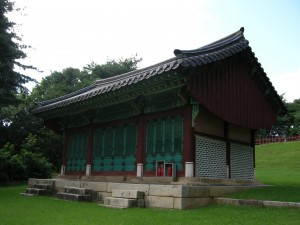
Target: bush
{"x":23,"y":165}
{"x":9,"y":165}
{"x":35,"y":165}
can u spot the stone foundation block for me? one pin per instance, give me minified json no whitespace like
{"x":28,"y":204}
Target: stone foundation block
{"x":95,"y":186}
{"x":189,"y":203}
{"x":27,"y":194}
{"x":166,"y":190}
{"x":34,"y":181}
{"x":78,"y":191}
{"x":159,"y":202}
{"x":158,"y":180}
{"x":125,"y":186}
{"x":132,"y":194}
{"x":67,"y":183}
{"x":74,"y":197}
{"x":44,"y":186}
{"x":99,"y":178}
{"x":123,"y":202}
{"x":36,"y":191}
{"x":100,"y":196}
{"x":195,"y":191}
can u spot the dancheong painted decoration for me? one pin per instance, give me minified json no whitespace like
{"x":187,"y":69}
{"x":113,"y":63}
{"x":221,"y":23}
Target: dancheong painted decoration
{"x":193,"y":115}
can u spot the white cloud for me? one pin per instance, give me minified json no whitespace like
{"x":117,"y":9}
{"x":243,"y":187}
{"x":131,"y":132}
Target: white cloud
{"x":75,"y":33}
{"x":288,"y":83}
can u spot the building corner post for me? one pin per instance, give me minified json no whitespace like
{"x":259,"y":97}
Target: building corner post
{"x":90,"y":146}
{"x":228,"y":153}
{"x":140,"y":150}
{"x":188,"y":147}
{"x":253,"y":147}
{"x":65,"y":152}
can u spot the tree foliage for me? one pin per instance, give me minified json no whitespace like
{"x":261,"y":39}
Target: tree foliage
{"x":11,"y":50}
{"x":112,"y":67}
{"x":287,"y":125}
{"x":26,"y":145}
{"x":72,"y":79}
{"x":23,"y":165}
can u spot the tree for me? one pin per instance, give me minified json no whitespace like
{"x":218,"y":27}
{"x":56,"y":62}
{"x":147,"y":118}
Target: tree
{"x":294,"y":117}
{"x":21,"y":166}
{"x":11,"y":50}
{"x":71,"y":79}
{"x":25,"y":131}
{"x":287,"y":125}
{"x":112,"y":67}
{"x":58,"y":84}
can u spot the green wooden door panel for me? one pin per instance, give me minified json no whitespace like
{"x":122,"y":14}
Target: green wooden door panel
{"x":164,"y":141}
{"x":77,"y":152}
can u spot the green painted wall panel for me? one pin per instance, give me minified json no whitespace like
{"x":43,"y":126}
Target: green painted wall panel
{"x":77,"y":151}
{"x":164,"y":142}
{"x":119,"y":148}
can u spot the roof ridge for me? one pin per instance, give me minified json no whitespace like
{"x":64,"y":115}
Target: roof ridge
{"x":216,"y":51}
{"x":234,"y":37}
{"x":70,"y":95}
{"x":105,"y":81}
{"x":133,"y":72}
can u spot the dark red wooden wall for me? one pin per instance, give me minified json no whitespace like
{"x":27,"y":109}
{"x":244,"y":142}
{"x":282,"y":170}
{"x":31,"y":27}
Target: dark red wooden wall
{"x":228,"y":90}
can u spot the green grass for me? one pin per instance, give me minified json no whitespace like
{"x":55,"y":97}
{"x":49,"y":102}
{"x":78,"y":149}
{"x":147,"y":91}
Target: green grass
{"x":19,"y":210}
{"x":278,"y":155}
{"x":278,"y":165}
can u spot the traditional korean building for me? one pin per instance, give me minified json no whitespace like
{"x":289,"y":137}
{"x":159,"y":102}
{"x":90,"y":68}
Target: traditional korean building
{"x":197,"y":112}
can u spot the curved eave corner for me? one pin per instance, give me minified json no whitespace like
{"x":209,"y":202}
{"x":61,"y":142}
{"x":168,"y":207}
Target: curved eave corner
{"x":184,"y":59}
{"x":225,"y":48}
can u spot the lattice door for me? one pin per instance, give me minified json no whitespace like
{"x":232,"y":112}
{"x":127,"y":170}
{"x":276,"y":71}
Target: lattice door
{"x":241,"y":161}
{"x":210,"y":158}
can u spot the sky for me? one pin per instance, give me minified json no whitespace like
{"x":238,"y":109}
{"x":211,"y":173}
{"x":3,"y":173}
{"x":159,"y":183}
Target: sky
{"x":65,"y":33}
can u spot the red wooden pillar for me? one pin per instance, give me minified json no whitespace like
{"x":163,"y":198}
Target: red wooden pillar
{"x":90,"y":146}
{"x":253,"y":145}
{"x":228,"y":153}
{"x":140,"y":150}
{"x":188,"y":147}
{"x":65,"y":152}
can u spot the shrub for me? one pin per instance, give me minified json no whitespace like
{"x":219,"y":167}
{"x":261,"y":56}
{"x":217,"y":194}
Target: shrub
{"x":35,"y":165}
{"x":21,"y":166}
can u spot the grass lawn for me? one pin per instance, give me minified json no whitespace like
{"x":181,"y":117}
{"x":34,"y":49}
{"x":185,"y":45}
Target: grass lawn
{"x":19,"y":210}
{"x":278,"y":165}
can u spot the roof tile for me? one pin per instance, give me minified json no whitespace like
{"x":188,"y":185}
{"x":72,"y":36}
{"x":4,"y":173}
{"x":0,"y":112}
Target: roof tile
{"x":213,"y":52}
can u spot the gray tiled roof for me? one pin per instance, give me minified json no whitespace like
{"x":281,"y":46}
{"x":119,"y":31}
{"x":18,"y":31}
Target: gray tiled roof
{"x":213,"y":52}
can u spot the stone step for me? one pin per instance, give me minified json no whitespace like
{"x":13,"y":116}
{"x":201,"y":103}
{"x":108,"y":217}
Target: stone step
{"x":27,"y":194}
{"x":34,"y":181}
{"x":37,"y":191}
{"x":123,"y":202}
{"x":78,"y":191}
{"x":74,"y":197}
{"x":131,"y":194}
{"x":43,"y":186}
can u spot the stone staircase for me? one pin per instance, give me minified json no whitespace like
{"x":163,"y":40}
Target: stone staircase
{"x":125,"y":199}
{"x":39,"y":189}
{"x":75,"y":194}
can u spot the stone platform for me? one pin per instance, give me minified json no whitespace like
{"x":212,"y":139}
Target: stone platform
{"x":182,"y":193}
{"x":125,"y":199}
